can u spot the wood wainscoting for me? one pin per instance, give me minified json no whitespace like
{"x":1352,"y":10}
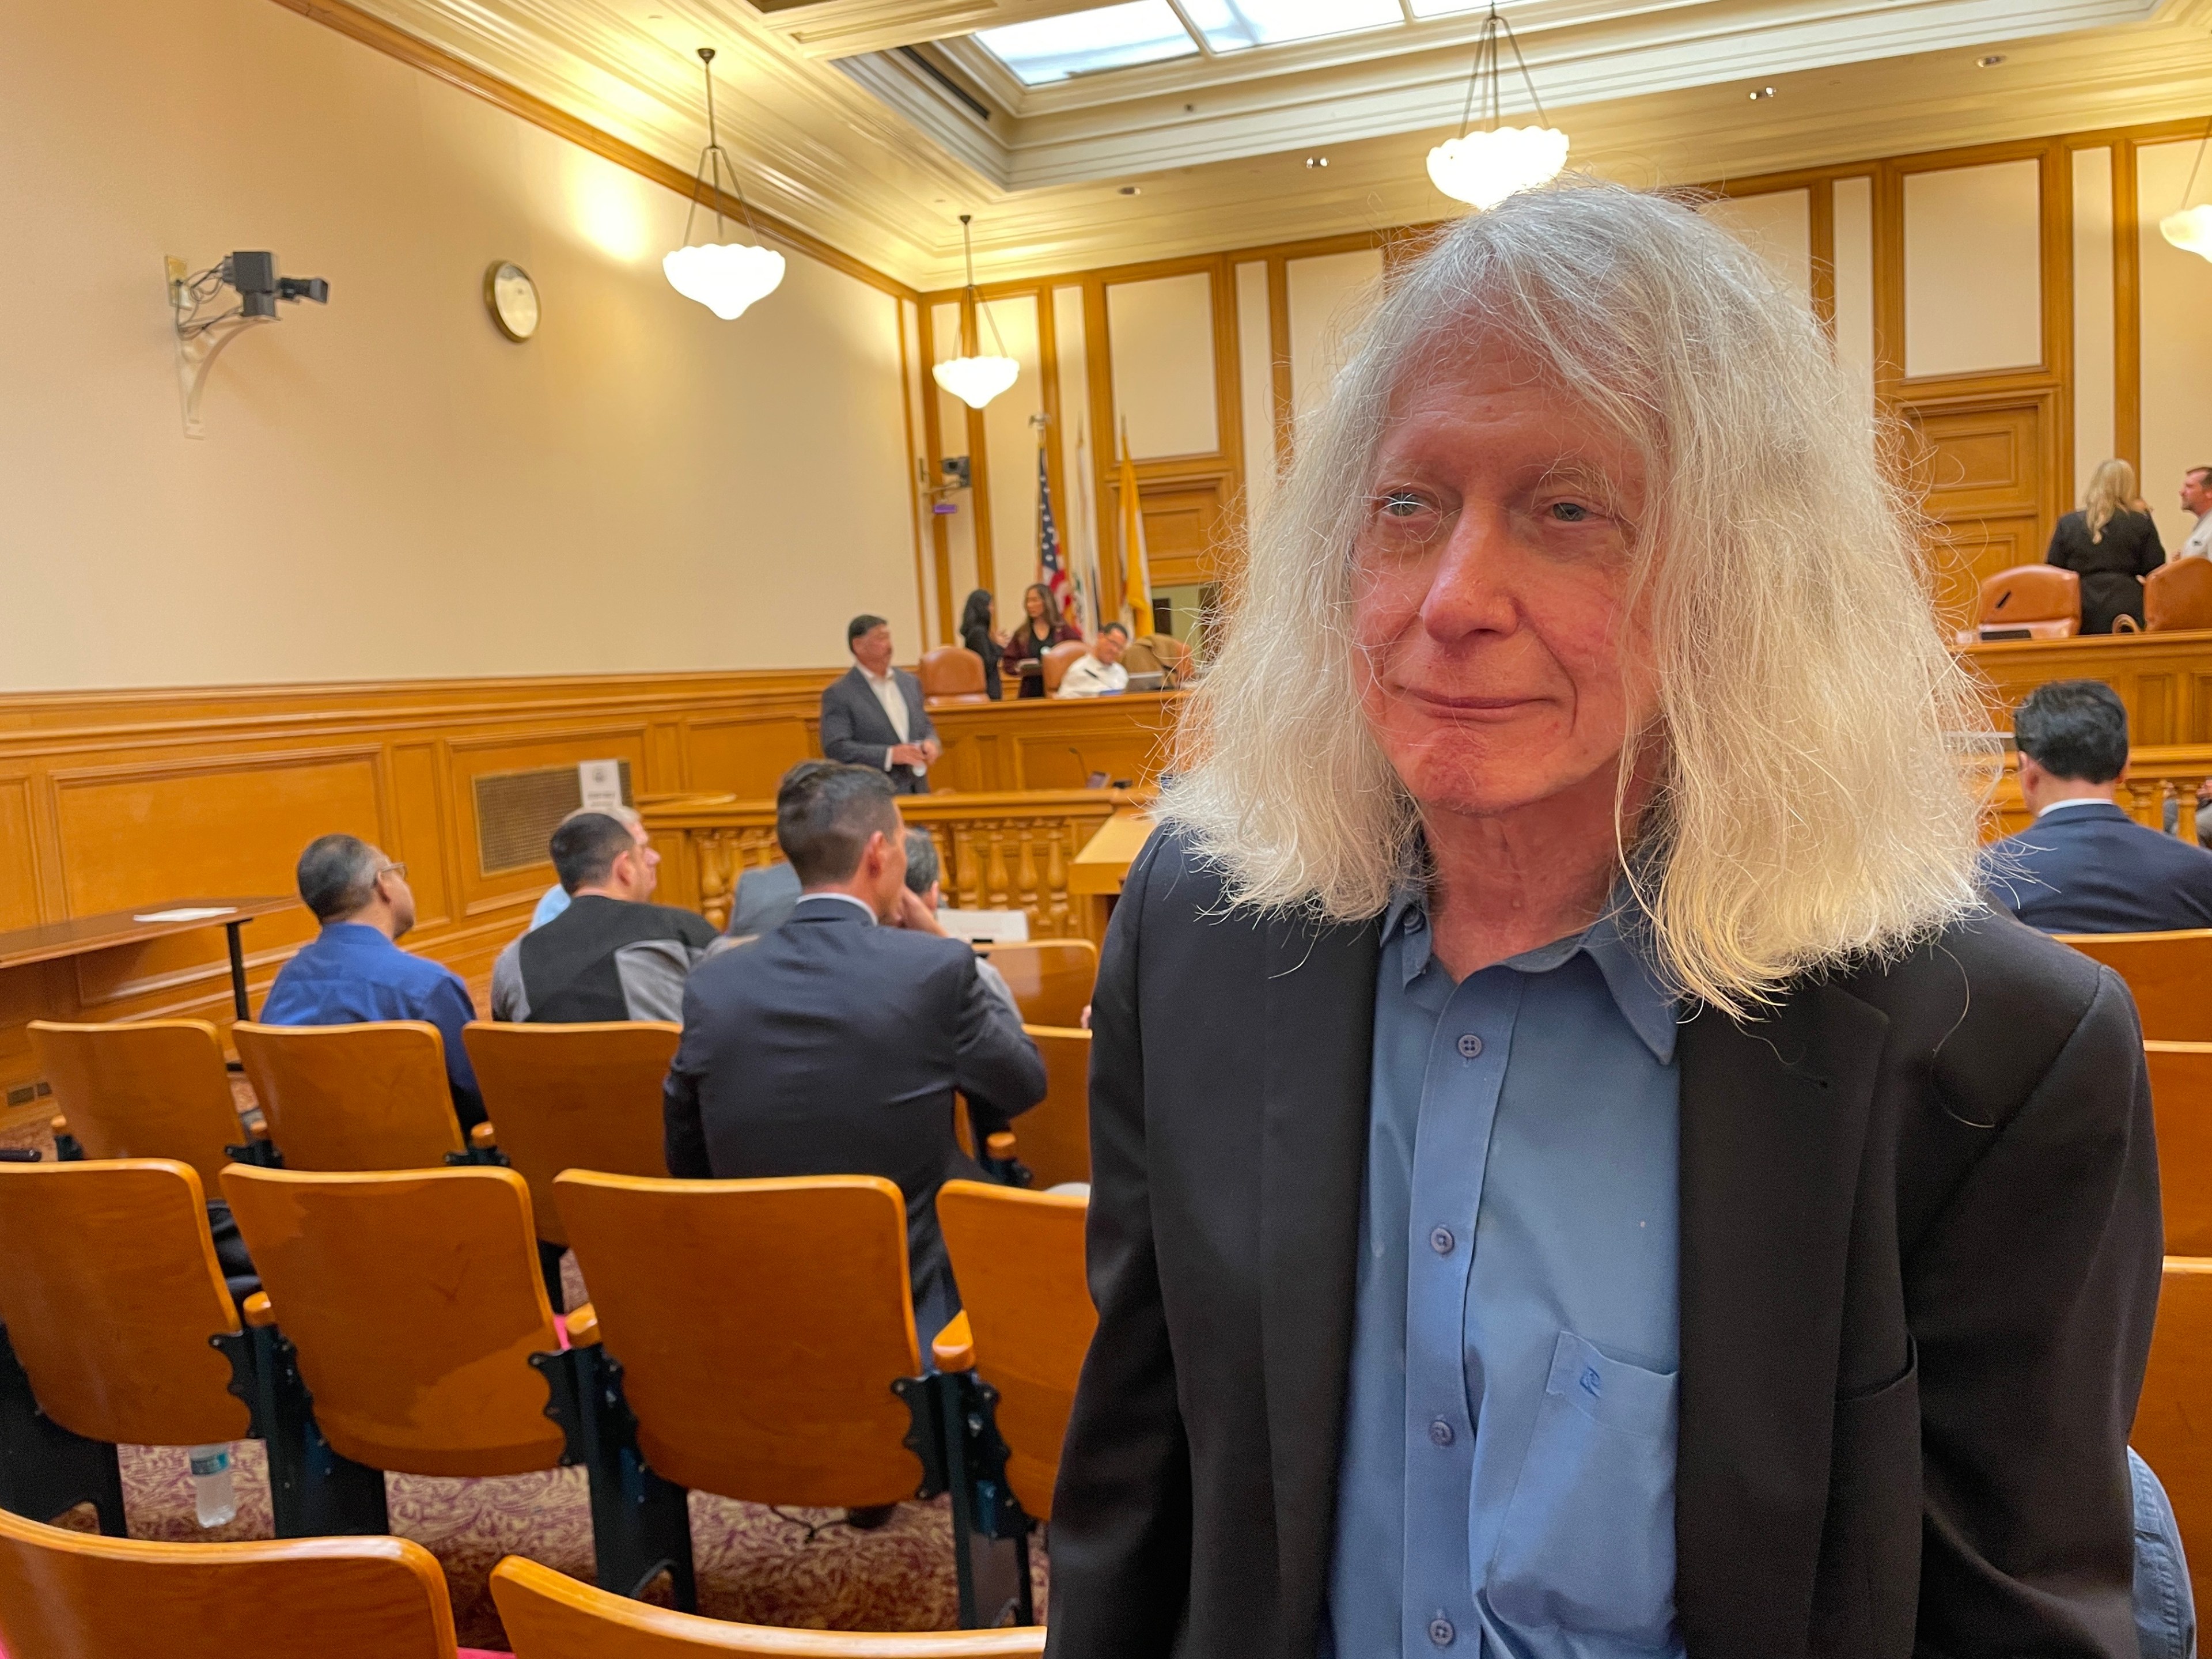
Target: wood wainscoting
{"x":1007,"y":850}
{"x":112,"y":800}
{"x":2165,"y":679}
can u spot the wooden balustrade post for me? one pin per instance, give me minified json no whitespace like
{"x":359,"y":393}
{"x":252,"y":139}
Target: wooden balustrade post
{"x":1027,"y":899}
{"x":995,"y":896}
{"x":716,"y":882}
{"x":1058,"y":913}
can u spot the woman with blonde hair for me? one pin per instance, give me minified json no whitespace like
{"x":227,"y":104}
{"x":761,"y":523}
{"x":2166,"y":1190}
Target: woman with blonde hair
{"x":1576,"y":1170}
{"x":2111,"y":542}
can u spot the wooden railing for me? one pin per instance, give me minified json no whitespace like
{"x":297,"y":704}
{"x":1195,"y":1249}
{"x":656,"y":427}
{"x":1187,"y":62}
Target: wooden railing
{"x":2155,"y":776}
{"x":1001,"y":851}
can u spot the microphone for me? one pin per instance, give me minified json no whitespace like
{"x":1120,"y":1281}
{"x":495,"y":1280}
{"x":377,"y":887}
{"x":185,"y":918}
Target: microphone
{"x":1090,"y":777}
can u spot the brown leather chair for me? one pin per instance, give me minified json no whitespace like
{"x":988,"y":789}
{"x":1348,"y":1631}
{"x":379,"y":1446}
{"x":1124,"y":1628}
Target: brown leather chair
{"x":952,"y":673}
{"x":2040,"y":598}
{"x":122,"y":1598}
{"x":2178,"y":596}
{"x":1058,"y":660}
{"x":2171,"y":1430}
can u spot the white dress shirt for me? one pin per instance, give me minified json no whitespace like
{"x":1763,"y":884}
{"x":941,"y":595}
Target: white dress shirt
{"x":2199,"y":545}
{"x":894,"y":702}
{"x":1087,"y":676}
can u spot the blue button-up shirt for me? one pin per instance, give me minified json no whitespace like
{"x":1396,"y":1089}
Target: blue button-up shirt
{"x":351,"y":974}
{"x":1507,"y":1483}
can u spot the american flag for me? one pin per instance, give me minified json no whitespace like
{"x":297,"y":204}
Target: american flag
{"x":1049,"y":561}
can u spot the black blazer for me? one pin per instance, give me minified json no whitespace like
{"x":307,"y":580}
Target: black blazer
{"x":2113,"y":570}
{"x":2094,"y":870}
{"x":977,"y":638}
{"x":1920,"y":1253}
{"x":855,"y":729}
{"x":833,"y":1046}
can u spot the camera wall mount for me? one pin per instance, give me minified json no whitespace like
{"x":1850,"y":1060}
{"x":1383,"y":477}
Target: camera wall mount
{"x":200,"y":340}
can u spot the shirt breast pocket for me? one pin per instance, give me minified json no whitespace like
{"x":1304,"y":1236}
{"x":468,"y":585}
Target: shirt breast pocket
{"x":1587,"y":1543}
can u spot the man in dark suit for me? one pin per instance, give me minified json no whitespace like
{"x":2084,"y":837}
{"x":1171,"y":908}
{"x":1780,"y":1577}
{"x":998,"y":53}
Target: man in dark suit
{"x":2084,"y":865}
{"x":874,"y":717}
{"x":835,"y":1045}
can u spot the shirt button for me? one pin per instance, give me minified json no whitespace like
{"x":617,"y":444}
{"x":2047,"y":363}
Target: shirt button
{"x":1441,"y":1432}
{"x":1441,"y":1632}
{"x":1441,"y":1240}
{"x":1469,"y":1045}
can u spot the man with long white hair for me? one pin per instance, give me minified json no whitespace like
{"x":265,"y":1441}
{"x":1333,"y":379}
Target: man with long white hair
{"x":1576,"y":1170}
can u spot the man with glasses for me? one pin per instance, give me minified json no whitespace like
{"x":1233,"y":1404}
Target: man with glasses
{"x":354,"y":972}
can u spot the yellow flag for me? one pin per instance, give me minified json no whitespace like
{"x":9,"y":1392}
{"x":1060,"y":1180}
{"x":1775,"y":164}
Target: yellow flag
{"x":1136,"y":568}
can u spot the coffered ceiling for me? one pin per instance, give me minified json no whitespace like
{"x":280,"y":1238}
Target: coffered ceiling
{"x":873,"y":124}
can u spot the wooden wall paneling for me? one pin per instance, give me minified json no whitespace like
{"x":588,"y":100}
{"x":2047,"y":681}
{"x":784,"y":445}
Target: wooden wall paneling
{"x":1822,"y":195}
{"x":1056,"y":474}
{"x":1278,"y":351}
{"x":19,"y":858}
{"x":1054,"y":743}
{"x":979,"y":456}
{"x":420,"y":830}
{"x":1106,"y":452}
{"x":934,"y":454}
{"x":748,"y":753}
{"x":485,"y":892}
{"x":2127,"y":310}
{"x":2164,"y":679}
{"x":910,"y":391}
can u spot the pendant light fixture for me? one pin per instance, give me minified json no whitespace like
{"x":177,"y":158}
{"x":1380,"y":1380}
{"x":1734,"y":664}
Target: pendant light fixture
{"x":723,"y":276}
{"x":977,"y":380}
{"x":1483,"y":169}
{"x":2190,"y":228}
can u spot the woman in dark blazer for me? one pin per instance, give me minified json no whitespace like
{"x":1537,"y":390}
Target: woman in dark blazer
{"x":980,"y":634}
{"x":2112,"y":544}
{"x":1040,"y":630}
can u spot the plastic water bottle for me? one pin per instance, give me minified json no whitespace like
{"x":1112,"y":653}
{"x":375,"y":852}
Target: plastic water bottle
{"x":214,"y":1499}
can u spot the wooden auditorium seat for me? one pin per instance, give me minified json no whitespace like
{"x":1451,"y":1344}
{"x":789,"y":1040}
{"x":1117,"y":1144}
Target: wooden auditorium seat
{"x":550,"y":1615}
{"x":71,"y":1595}
{"x":111,"y":1295}
{"x":2027,"y":602}
{"x":2181,"y":1096}
{"x":1026,"y":1318}
{"x":1057,"y":660}
{"x":424,"y":1336}
{"x":760,"y":1326}
{"x":573,"y":1097}
{"x":371,"y":1096}
{"x":1051,"y":979}
{"x":952,"y":673}
{"x":2178,"y":596}
{"x":2169,"y":974}
{"x":2173,"y":1430}
{"x":155,"y":1088}
{"x":1054,"y":1136}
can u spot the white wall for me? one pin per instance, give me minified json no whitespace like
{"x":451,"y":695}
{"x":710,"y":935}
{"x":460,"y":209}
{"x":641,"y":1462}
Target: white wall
{"x":388,"y":487}
{"x":1159,"y":338}
{"x":1974,"y":269}
{"x":2095,"y":424}
{"x":1778,"y":226}
{"x":1325,"y":294}
{"x":1852,"y":202}
{"x":2176,"y":339}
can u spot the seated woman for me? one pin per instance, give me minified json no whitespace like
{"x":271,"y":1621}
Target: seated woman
{"x":2111,"y":545}
{"x":1040,"y":630}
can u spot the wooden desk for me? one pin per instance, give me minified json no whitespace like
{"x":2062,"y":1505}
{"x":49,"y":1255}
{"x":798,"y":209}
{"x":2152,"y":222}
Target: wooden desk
{"x":1095,"y":875}
{"x":82,"y":935}
{"x":2165,"y":679}
{"x":1053,"y":743}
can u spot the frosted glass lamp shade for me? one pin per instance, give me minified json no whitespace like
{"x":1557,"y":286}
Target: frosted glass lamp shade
{"x":1484,"y":169}
{"x":2189,"y":230}
{"x":977,"y":380}
{"x":723,"y":276}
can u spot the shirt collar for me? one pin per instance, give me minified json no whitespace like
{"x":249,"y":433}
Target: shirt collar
{"x":2078,"y":800}
{"x":889,"y":677}
{"x":356,"y":934}
{"x":1645,"y":1001}
{"x":861,"y":905}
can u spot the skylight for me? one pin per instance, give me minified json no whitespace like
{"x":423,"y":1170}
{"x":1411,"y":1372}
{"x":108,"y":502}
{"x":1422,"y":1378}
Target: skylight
{"x":1233,"y":25}
{"x":1112,"y":37}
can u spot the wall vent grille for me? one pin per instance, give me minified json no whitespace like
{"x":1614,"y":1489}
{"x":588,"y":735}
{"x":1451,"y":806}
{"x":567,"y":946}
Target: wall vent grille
{"x":518,"y":812}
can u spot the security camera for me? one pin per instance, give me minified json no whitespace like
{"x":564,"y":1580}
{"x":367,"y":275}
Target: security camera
{"x":260,"y":287}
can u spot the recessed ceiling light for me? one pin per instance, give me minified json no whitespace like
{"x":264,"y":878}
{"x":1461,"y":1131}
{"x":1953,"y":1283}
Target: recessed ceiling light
{"x":1989,"y":62}
{"x":1758,"y":92}
{"x":1316,"y":160}
{"x":1132,"y":190}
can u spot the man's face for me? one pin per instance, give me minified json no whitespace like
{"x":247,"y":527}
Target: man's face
{"x":645,"y":860}
{"x":392,"y":886}
{"x":873,"y":649}
{"x":1109,"y":646}
{"x":2197,"y":493}
{"x":1499,"y":666}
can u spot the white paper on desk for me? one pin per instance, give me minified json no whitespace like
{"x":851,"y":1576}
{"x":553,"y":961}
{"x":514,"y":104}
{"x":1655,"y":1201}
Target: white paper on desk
{"x":190,"y":913}
{"x":987,"y":927}
{"x":599,"y":783}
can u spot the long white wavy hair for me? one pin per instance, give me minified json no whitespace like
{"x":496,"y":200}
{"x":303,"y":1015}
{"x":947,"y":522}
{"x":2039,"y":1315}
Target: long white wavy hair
{"x":1824,"y":755}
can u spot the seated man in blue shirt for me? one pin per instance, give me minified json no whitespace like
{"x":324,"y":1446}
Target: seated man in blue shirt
{"x":2084,"y":865}
{"x":355,"y":971}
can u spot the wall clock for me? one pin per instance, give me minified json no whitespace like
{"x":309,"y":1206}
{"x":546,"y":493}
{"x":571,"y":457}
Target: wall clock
{"x":512,"y":299}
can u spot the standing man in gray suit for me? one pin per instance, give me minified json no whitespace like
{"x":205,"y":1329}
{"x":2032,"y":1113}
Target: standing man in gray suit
{"x":873,"y":716}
